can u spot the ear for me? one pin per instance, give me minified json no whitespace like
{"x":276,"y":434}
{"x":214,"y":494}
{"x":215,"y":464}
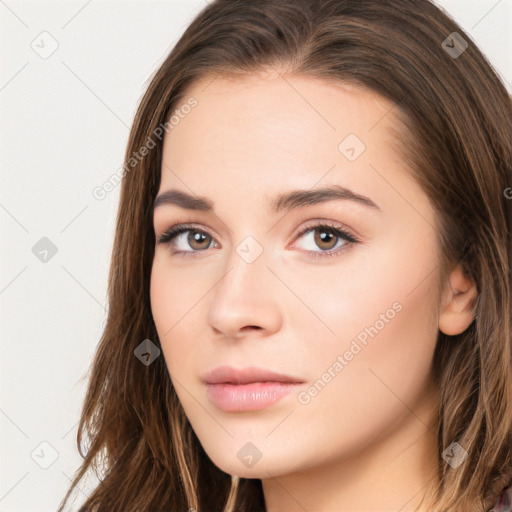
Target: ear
{"x":458,"y":303}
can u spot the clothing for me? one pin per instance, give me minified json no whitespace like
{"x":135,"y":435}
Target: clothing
{"x":504,"y":501}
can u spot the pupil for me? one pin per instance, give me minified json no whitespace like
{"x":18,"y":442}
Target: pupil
{"x":326,"y":236}
{"x":197,"y":237}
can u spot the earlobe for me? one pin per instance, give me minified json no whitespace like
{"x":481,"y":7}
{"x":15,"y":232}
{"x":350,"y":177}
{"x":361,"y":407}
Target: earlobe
{"x":458,"y":304}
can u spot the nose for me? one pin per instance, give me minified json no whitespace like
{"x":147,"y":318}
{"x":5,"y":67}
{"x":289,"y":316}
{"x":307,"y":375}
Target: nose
{"x":246,"y":298}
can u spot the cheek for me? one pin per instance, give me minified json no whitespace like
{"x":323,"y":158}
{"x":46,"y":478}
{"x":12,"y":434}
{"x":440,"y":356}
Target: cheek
{"x":175,"y":296}
{"x":360,"y":390}
{"x":383,"y":293}
{"x":382,"y":378}
{"x":385,"y":320}
{"x":381,"y":305}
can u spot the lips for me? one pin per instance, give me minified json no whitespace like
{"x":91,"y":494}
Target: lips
{"x":230,"y":375}
{"x":248,"y":389}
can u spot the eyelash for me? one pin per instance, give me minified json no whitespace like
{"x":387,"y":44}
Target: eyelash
{"x":182,"y":227}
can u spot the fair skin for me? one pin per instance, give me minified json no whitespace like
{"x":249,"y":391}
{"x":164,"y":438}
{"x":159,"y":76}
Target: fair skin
{"x":367,"y":441}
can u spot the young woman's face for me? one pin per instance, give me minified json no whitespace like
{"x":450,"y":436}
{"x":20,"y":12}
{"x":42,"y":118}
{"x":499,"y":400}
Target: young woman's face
{"x":349,"y":316}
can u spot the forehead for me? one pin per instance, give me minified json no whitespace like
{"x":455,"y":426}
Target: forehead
{"x":278,"y":132}
{"x":263,"y":104}
{"x":296,"y":113}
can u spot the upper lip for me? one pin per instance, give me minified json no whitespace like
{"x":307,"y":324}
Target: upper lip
{"x":230,"y":375}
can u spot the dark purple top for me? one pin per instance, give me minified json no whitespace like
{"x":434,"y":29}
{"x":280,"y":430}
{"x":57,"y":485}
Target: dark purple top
{"x":504,"y":501}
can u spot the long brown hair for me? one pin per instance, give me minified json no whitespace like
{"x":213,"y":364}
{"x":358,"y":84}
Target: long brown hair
{"x":456,"y":135}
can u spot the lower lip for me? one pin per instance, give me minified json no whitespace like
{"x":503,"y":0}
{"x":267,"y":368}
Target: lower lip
{"x":247,"y":397}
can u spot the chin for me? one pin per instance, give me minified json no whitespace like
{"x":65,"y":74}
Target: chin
{"x":247,"y":461}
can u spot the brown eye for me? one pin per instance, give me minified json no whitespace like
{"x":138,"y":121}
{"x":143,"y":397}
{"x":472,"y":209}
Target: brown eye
{"x":194,"y":242}
{"x":331,"y":240}
{"x":197,"y":239}
{"x":325,"y":238}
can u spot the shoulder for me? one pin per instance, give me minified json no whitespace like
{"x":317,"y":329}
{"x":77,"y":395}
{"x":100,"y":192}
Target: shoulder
{"x":504,"y":501}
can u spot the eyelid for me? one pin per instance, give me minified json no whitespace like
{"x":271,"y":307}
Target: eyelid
{"x":341,"y":232}
{"x":312,"y":224}
{"x":181,"y":223}
{"x":324,"y":218}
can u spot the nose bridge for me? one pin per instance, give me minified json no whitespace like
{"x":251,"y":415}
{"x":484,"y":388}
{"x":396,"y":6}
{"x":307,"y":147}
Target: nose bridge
{"x":245,"y":295}
{"x":246,"y":266}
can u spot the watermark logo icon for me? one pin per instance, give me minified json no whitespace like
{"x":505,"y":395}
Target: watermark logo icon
{"x":351,"y":147}
{"x":454,"y":45}
{"x":44,"y":45}
{"x":147,"y":352}
{"x":249,"y":454}
{"x":44,"y":250}
{"x":249,"y":249}
{"x":455,"y":455}
{"x":44,"y":455}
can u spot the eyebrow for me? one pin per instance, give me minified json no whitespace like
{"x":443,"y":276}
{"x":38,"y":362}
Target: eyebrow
{"x":285,"y":201}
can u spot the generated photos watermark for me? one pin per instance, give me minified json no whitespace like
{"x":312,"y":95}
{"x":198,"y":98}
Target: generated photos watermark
{"x":356,"y":346}
{"x":100,"y":192}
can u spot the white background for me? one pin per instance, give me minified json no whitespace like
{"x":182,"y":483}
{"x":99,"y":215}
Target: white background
{"x":64,"y":126}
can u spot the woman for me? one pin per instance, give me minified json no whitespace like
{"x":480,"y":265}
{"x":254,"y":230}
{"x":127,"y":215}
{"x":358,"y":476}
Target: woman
{"x":310,"y":289}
